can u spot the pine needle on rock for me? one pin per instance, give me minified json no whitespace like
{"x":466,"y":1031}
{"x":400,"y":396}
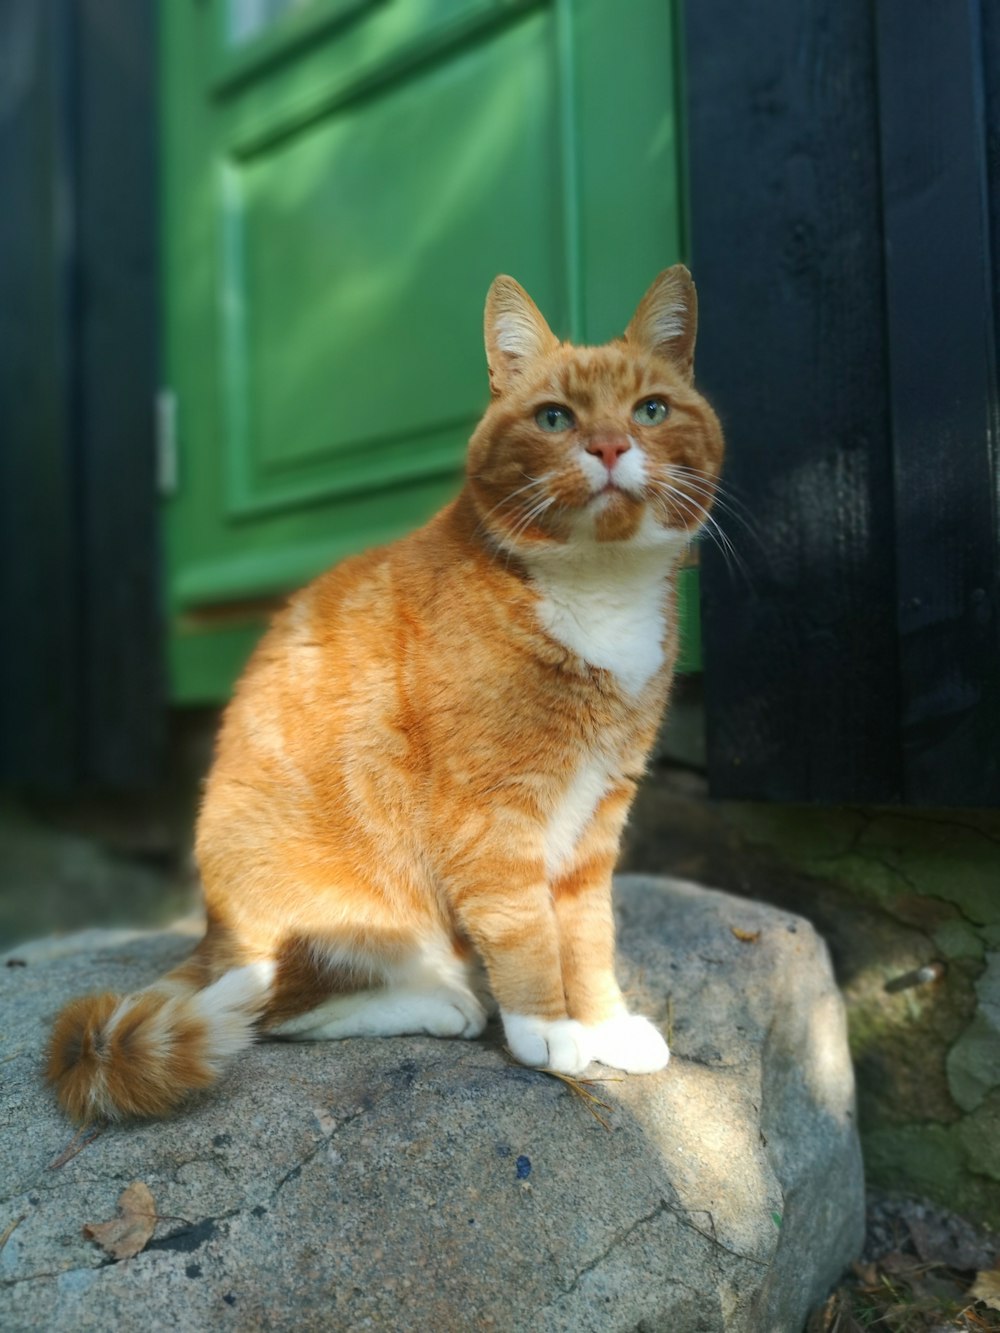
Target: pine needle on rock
{"x":581,"y":1087}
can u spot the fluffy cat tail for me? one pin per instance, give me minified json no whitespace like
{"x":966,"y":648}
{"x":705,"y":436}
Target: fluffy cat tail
{"x":113,"y":1057}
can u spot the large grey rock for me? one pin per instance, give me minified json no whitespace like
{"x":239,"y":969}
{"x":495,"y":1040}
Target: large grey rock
{"x":416,"y":1184}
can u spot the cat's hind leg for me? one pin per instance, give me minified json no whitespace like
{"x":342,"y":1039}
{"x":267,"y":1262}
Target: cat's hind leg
{"x":388,"y":1012}
{"x":434,"y":992}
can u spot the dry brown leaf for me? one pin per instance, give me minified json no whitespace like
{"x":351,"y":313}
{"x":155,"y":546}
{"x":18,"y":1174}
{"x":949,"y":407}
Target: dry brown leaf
{"x":821,"y":1320}
{"x":906,"y":1266}
{"x":867,"y":1274}
{"x":125,"y":1235}
{"x":835,"y":1316}
{"x":747,"y":936}
{"x":986,"y":1288}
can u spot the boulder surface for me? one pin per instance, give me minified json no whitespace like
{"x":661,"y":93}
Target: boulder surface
{"x":415,"y":1184}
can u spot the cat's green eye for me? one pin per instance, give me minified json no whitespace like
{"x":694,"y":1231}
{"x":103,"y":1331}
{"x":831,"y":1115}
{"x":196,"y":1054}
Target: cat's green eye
{"x":650,"y":412}
{"x":554,"y":418}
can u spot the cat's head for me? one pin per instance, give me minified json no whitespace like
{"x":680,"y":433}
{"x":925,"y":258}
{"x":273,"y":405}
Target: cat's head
{"x":584,"y":445}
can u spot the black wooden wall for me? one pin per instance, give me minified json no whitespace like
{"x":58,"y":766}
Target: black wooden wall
{"x":80,"y":642}
{"x":845,"y":186}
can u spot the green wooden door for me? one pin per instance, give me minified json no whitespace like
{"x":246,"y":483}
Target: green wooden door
{"x":342,"y":179}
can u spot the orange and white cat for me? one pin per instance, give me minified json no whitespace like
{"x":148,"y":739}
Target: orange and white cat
{"x":422,"y":779}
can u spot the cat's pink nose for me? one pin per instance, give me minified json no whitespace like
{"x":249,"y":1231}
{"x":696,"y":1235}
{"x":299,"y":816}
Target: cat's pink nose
{"x":609,"y":448}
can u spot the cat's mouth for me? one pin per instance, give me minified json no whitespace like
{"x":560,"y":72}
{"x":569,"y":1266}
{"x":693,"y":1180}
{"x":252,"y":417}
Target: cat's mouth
{"x":611,"y":488}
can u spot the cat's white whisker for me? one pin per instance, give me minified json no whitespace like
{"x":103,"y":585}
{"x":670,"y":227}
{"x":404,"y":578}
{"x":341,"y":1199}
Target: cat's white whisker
{"x":712,"y":489}
{"x":710,"y":526}
{"x":533,"y":484}
{"x":510,"y":540}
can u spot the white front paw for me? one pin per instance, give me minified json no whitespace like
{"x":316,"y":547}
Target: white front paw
{"x":629,"y":1042}
{"x":561,"y":1044}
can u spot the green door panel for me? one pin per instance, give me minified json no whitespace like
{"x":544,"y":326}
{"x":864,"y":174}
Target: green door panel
{"x":342,"y":180}
{"x":351,"y":246}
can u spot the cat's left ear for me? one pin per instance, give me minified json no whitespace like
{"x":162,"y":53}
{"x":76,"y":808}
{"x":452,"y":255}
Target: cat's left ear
{"x":666,"y":321}
{"x":516,"y":332}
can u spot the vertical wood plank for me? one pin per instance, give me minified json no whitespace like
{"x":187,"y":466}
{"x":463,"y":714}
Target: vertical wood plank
{"x":123,"y":668}
{"x":943,"y":391}
{"x":81,"y":695}
{"x":39,"y":587}
{"x":800,"y":655}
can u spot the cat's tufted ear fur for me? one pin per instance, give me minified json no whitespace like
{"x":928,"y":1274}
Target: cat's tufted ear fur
{"x":516,"y":332}
{"x":666,"y":321}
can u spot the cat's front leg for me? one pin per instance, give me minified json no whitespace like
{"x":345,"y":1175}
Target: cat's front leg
{"x":582,"y":899}
{"x":507,"y":911}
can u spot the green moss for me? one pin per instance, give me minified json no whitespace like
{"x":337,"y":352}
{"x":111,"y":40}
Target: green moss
{"x":801,"y":833}
{"x":979,"y":1135}
{"x":875,"y":1020}
{"x":882,"y":856}
{"x":926,"y":1156}
{"x":942,"y":857}
{"x":974,"y":1063}
{"x":932,"y":1160}
{"x":927,"y":887}
{"x":900,"y":1044}
{"x":957,"y":939}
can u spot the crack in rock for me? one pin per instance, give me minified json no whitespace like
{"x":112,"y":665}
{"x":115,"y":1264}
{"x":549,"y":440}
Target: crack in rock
{"x":294,"y":1172}
{"x":9,"y":1282}
{"x":616,"y":1241}
{"x":922,"y":819}
{"x":681,"y":1214}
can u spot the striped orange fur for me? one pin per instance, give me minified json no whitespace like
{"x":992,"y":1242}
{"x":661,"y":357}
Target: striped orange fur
{"x":421,"y":782}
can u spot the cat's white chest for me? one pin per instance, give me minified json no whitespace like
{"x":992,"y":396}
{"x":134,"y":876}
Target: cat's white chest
{"x":612,"y":614}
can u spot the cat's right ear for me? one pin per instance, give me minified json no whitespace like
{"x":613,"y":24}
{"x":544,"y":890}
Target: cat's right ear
{"x":516,"y":333}
{"x":667,"y":319}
